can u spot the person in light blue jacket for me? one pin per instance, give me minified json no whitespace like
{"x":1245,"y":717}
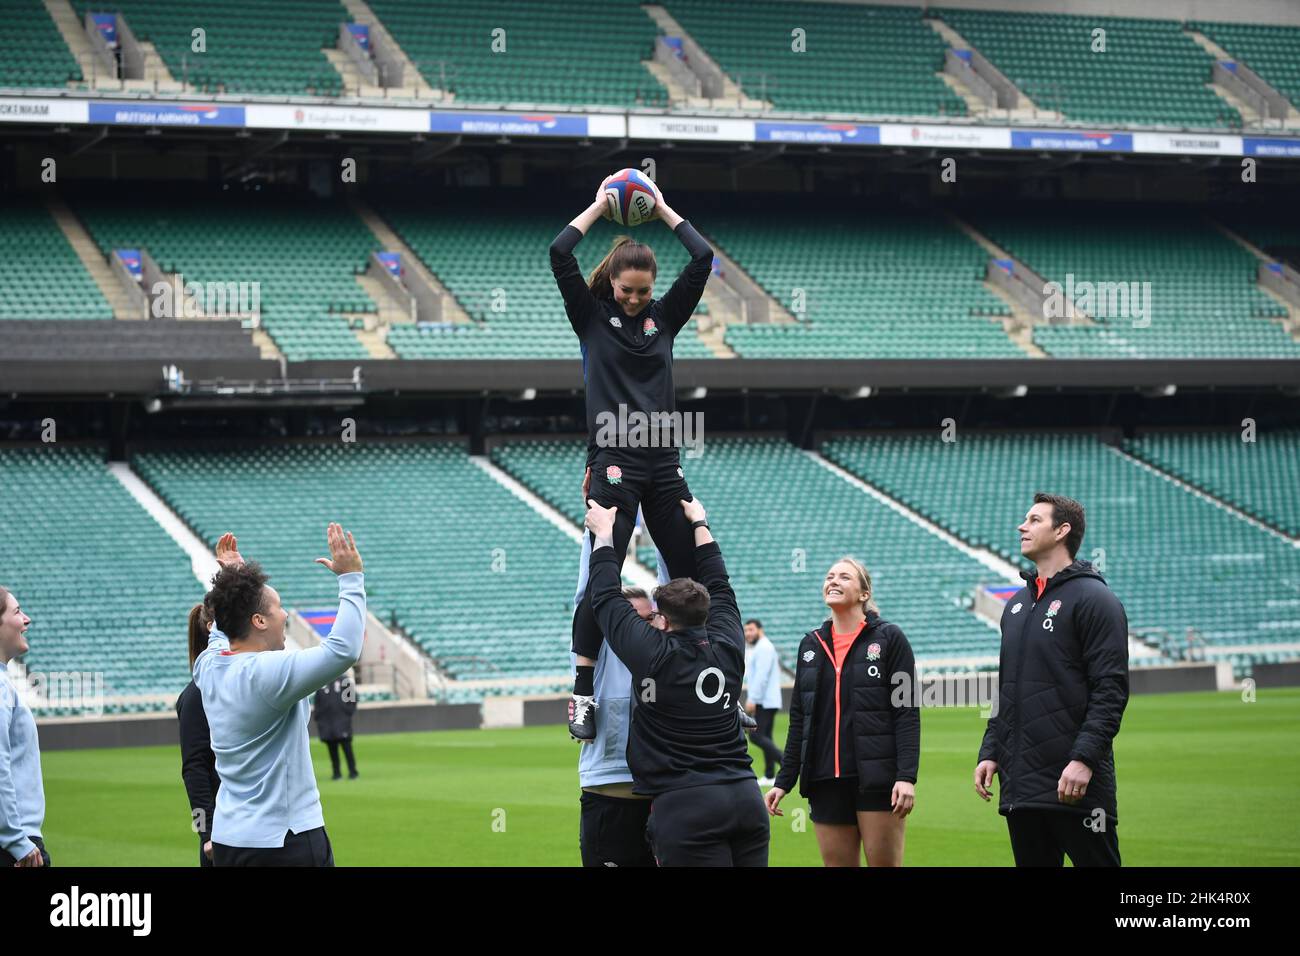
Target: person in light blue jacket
{"x":611,"y":831}
{"x":763,"y":687}
{"x":257,"y":697}
{"x":22,"y":795}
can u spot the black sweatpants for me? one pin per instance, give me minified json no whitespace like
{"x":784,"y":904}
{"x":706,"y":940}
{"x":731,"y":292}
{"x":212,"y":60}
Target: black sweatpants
{"x":1045,"y":837}
{"x":720,"y":824}
{"x":334,"y":746}
{"x":765,"y":717}
{"x":611,"y":831}
{"x":6,"y":858}
{"x":309,"y":848}
{"x":651,"y":478}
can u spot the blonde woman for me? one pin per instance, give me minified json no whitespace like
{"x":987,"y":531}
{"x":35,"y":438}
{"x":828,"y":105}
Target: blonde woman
{"x":853,"y":751}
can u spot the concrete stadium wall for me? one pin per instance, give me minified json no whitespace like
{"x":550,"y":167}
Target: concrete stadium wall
{"x":1239,"y":11}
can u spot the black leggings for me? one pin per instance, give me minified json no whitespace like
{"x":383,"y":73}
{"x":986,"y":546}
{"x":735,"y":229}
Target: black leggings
{"x":334,"y":746}
{"x":653,"y":481}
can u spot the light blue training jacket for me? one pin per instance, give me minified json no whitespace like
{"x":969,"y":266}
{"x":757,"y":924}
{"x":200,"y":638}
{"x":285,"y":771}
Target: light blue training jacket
{"x":258,"y":705}
{"x":22,"y":795}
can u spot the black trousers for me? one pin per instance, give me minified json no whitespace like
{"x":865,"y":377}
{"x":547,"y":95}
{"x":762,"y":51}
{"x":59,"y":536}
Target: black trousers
{"x":721,"y":824}
{"x":203,"y":857}
{"x":334,"y":746}
{"x":309,"y":848}
{"x":1045,"y":837}
{"x":652,"y":479}
{"x":765,"y":717}
{"x":6,"y":859}
{"x":612,"y":831}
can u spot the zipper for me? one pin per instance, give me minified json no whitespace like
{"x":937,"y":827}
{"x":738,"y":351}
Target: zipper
{"x":838,"y":669}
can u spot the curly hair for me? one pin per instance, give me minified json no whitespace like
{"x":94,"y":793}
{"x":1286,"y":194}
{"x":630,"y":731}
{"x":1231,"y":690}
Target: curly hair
{"x":237,"y":594}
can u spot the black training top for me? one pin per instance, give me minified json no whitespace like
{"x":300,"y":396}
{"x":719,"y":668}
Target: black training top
{"x":198,"y":763}
{"x":628,"y":362}
{"x":685,"y":729}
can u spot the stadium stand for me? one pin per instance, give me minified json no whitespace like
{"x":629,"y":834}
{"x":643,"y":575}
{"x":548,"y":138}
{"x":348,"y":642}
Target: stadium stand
{"x":547,"y":56}
{"x":1175,"y":560}
{"x":305,"y":253}
{"x":1271,"y":50}
{"x":87,"y":561}
{"x":495,"y":263}
{"x":1203,"y":302}
{"x":1151,"y":73}
{"x":782,"y":520}
{"x":893,"y":285}
{"x":1256,"y":477}
{"x":467,"y":570}
{"x":43,"y":278}
{"x":860,"y":59}
{"x":34,"y":52}
{"x":245,"y":51}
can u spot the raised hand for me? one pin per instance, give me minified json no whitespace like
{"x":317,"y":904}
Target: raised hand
{"x":228,"y":555}
{"x":694,"y":510}
{"x":343,"y":558}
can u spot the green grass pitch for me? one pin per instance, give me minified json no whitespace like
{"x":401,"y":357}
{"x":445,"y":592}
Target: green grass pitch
{"x":1205,"y":779}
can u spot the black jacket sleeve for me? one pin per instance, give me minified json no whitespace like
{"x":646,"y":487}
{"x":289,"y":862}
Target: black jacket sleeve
{"x":989,"y":745}
{"x":724,"y":614}
{"x":640,"y":647}
{"x":579,"y":303}
{"x":1102,"y":628}
{"x":788,"y":775}
{"x":196,"y":754}
{"x":906,"y":713}
{"x":679,"y":302}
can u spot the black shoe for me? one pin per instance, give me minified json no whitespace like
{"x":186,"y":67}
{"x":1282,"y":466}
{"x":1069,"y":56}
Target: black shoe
{"x":582,"y":718}
{"x":746,"y":721}
{"x":353,"y":775}
{"x":337,"y":776}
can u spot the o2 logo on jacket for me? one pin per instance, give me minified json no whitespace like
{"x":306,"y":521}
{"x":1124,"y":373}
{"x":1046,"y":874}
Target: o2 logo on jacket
{"x":614,"y":475}
{"x":873,"y":652}
{"x":649,"y":327}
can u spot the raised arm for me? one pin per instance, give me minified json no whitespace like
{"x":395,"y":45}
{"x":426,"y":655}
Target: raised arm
{"x":283,"y":679}
{"x":711,"y":571}
{"x":639,"y":646}
{"x":680,"y":300}
{"x":579,"y":303}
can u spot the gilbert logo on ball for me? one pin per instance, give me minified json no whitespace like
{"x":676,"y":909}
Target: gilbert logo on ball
{"x":614,"y":475}
{"x":629,"y":197}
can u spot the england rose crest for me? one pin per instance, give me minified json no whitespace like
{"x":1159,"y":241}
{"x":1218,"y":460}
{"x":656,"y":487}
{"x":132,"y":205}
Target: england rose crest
{"x":873,"y":652}
{"x":614,"y":475}
{"x":1053,"y":608}
{"x":649,"y":327}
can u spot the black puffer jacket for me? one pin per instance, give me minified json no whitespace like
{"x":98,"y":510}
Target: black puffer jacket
{"x":880,"y":743}
{"x":1063,"y":686}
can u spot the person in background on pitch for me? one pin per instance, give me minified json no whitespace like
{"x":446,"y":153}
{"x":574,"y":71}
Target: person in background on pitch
{"x":763,"y":683}
{"x":256,"y":697}
{"x":612,"y":824}
{"x":627,"y":360}
{"x":22,"y":794}
{"x":852,"y":746}
{"x":1063,"y":687}
{"x":686,"y":747}
{"x":332,"y":710}
{"x":198,"y":763}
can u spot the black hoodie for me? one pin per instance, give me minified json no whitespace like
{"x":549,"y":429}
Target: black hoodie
{"x":1063,"y":686}
{"x":685,"y":729}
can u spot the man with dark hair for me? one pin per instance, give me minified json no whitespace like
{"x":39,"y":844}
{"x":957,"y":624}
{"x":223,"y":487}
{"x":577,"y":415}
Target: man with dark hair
{"x":686,"y":748}
{"x":256,"y":696}
{"x":1063,"y":686}
{"x":763,"y":689}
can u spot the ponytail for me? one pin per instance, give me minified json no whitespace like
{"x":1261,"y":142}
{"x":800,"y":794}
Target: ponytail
{"x":200,"y":618}
{"x":625,"y":253}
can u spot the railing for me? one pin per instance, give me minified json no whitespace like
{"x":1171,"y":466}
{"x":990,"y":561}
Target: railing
{"x":350,"y":45}
{"x":99,"y":46}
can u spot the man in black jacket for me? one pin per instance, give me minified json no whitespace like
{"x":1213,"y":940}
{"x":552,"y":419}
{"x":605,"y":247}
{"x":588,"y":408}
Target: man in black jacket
{"x":332,"y":709}
{"x":686,"y":748}
{"x":1063,"y":676}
